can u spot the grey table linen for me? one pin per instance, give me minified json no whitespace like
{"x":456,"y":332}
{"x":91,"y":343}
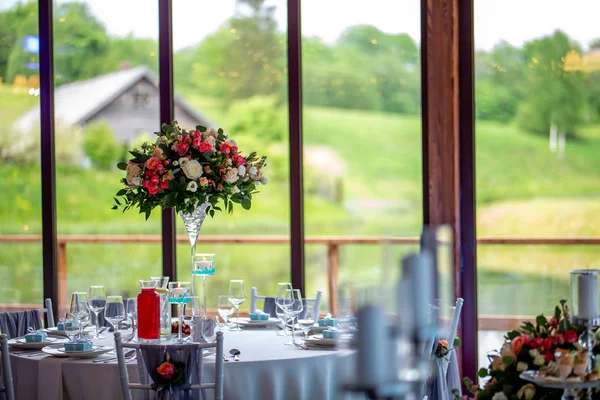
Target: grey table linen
{"x":267,"y":370}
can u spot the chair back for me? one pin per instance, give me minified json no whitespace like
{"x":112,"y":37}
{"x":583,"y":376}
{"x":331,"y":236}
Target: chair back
{"x":49,"y":313}
{"x":150,"y":356}
{"x":16,"y":323}
{"x":7,"y":387}
{"x":269,"y":304}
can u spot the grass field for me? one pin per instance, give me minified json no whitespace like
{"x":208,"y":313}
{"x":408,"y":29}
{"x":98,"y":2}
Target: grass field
{"x":523,"y":190}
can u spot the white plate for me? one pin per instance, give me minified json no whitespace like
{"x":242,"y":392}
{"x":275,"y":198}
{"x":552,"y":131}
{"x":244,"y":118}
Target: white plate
{"x":20,"y":343}
{"x":246,"y":323}
{"x":55,"y":332}
{"x":317,"y":340}
{"x":58,"y":350}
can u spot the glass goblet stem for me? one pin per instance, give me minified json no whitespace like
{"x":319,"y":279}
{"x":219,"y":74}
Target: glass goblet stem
{"x":204,"y":291}
{"x":237,"y":320}
{"x":97,"y":325}
{"x":293,"y":329}
{"x":180,"y":314}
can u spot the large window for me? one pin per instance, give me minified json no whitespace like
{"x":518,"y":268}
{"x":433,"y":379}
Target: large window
{"x":537,"y":80}
{"x":106,"y":100}
{"x":20,"y":209}
{"x":362,"y":137}
{"x":232,"y":72}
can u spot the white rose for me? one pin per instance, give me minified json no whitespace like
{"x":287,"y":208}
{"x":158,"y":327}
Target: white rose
{"x":499,"y":396}
{"x":231,"y":176}
{"x":192,"y":186}
{"x":235,"y":190}
{"x":533,"y":353}
{"x":212,"y":132}
{"x":233,"y":142}
{"x":229,"y":161}
{"x":539,"y":360}
{"x":210,"y":140}
{"x":527,"y":391}
{"x":192,"y":169}
{"x":133,"y":181}
{"x":241,"y":170}
{"x":522,"y":366}
{"x":253,"y":170}
{"x":265,"y":180}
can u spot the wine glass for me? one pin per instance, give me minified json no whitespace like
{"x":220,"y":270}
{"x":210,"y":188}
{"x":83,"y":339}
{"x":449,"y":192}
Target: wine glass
{"x":282,"y":288}
{"x":308,"y":322}
{"x":292,"y":305}
{"x":208,"y":330}
{"x":115,"y":311}
{"x":71,"y":328}
{"x":97,"y":303}
{"x":237,"y":295}
{"x":193,"y":317}
{"x":280,"y":313}
{"x":179,"y":294}
{"x":225,"y":309}
{"x":79,"y":308}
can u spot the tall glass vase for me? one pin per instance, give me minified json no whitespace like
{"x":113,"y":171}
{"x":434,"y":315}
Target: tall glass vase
{"x":193,"y":222}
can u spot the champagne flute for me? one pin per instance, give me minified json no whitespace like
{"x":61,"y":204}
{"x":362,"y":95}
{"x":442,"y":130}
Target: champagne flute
{"x":292,"y":305}
{"x":79,"y":308}
{"x":115,"y":311}
{"x":237,"y":295}
{"x":225,"y":309}
{"x":179,"y":294}
{"x":97,"y":303}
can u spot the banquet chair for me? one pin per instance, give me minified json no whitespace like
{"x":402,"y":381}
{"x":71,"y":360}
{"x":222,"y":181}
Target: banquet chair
{"x":7,"y":389}
{"x":17,"y":323}
{"x":269,"y":303}
{"x":150,"y":356}
{"x":49,"y":313}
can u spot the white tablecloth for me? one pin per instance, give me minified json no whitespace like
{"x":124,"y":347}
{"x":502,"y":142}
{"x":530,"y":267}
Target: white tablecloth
{"x":267,"y":369}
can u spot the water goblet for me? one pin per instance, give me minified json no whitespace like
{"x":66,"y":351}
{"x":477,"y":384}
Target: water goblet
{"x":179,"y":294}
{"x":115,"y":311}
{"x":280,"y":313}
{"x":131,"y":307}
{"x":79,"y":308}
{"x":225,"y":309}
{"x":292,"y":305}
{"x":237,"y":295}
{"x":97,"y":303}
{"x":307,"y":322}
{"x":71,"y":328}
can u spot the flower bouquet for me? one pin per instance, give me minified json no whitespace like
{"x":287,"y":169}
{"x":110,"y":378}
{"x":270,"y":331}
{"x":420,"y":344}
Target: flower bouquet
{"x":545,"y":347}
{"x":169,"y":375}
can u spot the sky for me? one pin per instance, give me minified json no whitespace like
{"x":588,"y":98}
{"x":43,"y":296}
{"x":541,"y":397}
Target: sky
{"x":515,"y":21}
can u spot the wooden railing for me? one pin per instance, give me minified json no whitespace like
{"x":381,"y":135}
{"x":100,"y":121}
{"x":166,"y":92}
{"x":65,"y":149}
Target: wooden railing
{"x":333,"y":244}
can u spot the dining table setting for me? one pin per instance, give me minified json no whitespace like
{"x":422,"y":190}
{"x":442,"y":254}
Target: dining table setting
{"x":293,"y":354}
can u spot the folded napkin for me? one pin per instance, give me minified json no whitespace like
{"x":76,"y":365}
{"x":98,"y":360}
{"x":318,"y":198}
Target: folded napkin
{"x":35,"y":336}
{"x":78,"y":345}
{"x":259,"y":316}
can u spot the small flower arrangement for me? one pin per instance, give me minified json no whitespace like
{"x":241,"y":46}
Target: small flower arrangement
{"x":443,"y":348}
{"x":183,"y":168}
{"x":170,"y":375}
{"x":532,"y":347}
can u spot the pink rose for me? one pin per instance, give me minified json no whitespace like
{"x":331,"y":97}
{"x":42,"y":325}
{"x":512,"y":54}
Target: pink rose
{"x":220,"y":187}
{"x":158,"y":153}
{"x":239,"y":160}
{"x":196,"y":142}
{"x":204,"y":147}
{"x":164,"y":184}
{"x":570,"y":336}
{"x":517,"y":344}
{"x":203,"y":181}
{"x":154,"y":163}
{"x":182,"y":148}
{"x":207,"y":169}
{"x":166,"y":370}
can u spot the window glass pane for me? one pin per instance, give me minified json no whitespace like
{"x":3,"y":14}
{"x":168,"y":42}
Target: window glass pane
{"x":20,"y":211}
{"x":362,"y":135}
{"x":538,"y":137}
{"x":106,"y":63}
{"x":232,"y":70}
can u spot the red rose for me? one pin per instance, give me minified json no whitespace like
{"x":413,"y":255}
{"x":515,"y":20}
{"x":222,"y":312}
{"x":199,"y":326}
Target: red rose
{"x":154,"y":163}
{"x":549,"y":357}
{"x":548,"y":345}
{"x":155,"y":179}
{"x":225,"y":148}
{"x":570,"y":336}
{"x":166,"y":370}
{"x":538,"y":342}
{"x":239,"y":160}
{"x":196,"y":142}
{"x":204,"y":147}
{"x":164,"y":184}
{"x":187,"y":139}
{"x":182,"y":148}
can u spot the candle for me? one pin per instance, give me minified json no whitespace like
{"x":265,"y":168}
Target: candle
{"x":587,"y":296}
{"x":204,"y":264}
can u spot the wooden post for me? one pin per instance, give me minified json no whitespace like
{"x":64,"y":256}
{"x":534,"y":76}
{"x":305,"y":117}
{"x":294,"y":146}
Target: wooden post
{"x":333,"y":265}
{"x":62,"y":279}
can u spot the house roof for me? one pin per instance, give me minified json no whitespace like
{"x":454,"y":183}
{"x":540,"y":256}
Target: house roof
{"x":76,"y":103}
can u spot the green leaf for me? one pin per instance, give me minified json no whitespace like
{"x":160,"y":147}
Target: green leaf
{"x":211,"y":212}
{"x":482,"y":373}
{"x":122,"y":166}
{"x":564,"y":325}
{"x":246,"y":204}
{"x":507,"y":360}
{"x":512,"y":334}
{"x":114,"y":207}
{"x":167,"y":128}
{"x":201,"y":128}
{"x":117,"y":201}
{"x":557,"y":312}
{"x":148,"y":211}
{"x":220,"y":131}
{"x":541,"y":320}
{"x":230,"y":207}
{"x":209,"y":153}
{"x":122,"y":192}
{"x":457,"y":342}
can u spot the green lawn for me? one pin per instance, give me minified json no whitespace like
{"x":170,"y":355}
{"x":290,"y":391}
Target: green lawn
{"x":523,"y":189}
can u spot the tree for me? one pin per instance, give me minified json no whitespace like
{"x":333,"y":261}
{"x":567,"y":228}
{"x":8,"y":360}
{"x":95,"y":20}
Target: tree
{"x":554,"y":94}
{"x":100,"y":145}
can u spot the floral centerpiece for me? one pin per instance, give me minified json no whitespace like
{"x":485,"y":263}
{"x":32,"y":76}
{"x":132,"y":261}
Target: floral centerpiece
{"x":185,"y":168}
{"x":533,"y":347}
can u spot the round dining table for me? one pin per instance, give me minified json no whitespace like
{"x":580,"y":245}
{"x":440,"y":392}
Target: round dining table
{"x":267,"y":369}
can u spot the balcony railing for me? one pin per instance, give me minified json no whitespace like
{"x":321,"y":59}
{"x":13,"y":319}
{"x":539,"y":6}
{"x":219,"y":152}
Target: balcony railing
{"x":333,"y":243}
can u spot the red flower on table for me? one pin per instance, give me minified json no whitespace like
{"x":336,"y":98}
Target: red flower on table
{"x":570,"y":336}
{"x":204,"y":147}
{"x":166,"y":370}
